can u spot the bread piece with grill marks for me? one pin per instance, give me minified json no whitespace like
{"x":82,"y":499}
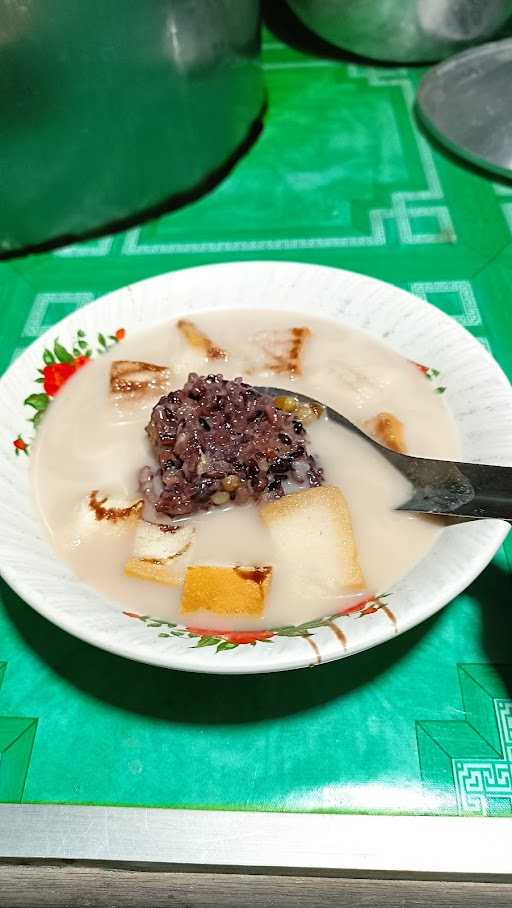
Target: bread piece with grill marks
{"x":161,"y":552}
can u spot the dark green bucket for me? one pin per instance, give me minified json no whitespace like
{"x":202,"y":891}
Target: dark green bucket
{"x":111,"y":108}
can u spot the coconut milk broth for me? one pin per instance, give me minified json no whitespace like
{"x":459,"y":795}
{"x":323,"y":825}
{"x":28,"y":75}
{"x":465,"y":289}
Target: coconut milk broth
{"x":84,"y":444}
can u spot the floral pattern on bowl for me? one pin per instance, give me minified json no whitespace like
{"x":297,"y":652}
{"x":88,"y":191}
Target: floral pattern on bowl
{"x":59,"y":365}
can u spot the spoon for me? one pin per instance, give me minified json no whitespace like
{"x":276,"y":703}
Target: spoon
{"x":446,"y":487}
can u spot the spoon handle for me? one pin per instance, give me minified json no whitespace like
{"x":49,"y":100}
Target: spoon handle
{"x":458,"y":489}
{"x":446,"y":487}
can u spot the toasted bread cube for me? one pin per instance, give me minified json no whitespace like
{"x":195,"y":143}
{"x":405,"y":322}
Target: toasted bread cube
{"x":133,"y":380}
{"x":198,"y":340}
{"x":279,"y":351}
{"x":161,"y":552}
{"x":106,"y":512}
{"x":135,"y":386}
{"x":312,"y":533}
{"x":387,"y":429}
{"x":226,"y":590}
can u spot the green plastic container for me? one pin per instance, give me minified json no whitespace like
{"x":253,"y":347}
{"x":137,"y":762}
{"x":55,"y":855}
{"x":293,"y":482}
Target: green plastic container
{"x":111,"y":108}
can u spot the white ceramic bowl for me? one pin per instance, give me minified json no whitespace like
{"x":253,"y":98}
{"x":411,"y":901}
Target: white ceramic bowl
{"x":478,"y":394}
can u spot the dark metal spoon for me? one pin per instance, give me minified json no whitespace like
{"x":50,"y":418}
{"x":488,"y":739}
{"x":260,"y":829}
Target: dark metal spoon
{"x":443,"y":487}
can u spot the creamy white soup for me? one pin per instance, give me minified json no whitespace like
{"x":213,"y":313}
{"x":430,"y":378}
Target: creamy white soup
{"x":92,"y":439}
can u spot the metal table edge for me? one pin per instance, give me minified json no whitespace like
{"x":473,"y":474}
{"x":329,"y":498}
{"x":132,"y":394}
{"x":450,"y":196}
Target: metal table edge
{"x":466,"y":846}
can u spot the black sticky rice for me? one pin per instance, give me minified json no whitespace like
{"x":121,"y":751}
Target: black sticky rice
{"x":219,"y":441}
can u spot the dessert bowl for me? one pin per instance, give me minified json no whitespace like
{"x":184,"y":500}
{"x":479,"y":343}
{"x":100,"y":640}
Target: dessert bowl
{"x":477,"y":395}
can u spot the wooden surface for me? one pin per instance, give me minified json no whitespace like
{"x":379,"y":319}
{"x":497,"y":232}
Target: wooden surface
{"x":60,"y":885}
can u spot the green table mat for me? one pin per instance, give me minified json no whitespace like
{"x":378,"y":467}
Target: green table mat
{"x":340,"y":176}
